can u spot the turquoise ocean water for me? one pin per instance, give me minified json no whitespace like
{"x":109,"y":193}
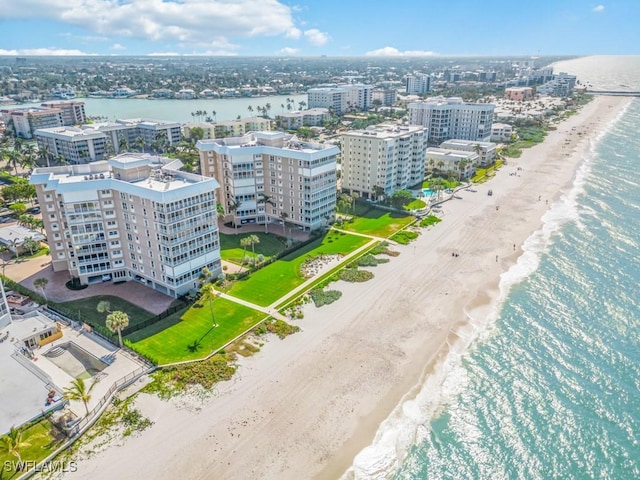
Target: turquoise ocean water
{"x":552,"y":389}
{"x":549,"y":386}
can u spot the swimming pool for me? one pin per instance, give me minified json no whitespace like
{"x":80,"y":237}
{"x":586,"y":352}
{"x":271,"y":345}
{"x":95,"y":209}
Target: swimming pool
{"x":427,"y":193}
{"x":75,"y":360}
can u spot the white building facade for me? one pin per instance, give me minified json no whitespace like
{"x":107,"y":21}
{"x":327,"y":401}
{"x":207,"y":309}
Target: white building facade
{"x":418,"y":84}
{"x":342,"y":98}
{"x":314,"y":117}
{"x":135,"y":217}
{"x":447,"y":118}
{"x":457,"y":163}
{"x":383,"y":159}
{"x":271,"y":177}
{"x":486,"y":150}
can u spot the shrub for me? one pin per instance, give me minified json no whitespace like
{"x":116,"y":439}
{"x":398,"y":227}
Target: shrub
{"x":404,"y":237}
{"x":355,"y":275}
{"x":74,"y":284}
{"x":280,"y":328}
{"x":430,"y":220}
{"x":321,"y":297}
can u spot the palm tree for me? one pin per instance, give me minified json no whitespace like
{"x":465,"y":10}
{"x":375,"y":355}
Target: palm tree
{"x":14,"y":159}
{"x":250,"y":108}
{"x":211,"y":295}
{"x":244,"y":243}
{"x":78,"y":391}
{"x":253,"y":240}
{"x":3,"y":249}
{"x":104,"y":306}
{"x":233,"y":207}
{"x":45,"y":154}
{"x":123,"y":144}
{"x":214,"y":114}
{"x":116,"y":321}
{"x":139,"y":143}
{"x":284,"y":216}
{"x":29,"y":243}
{"x":41,"y":283}
{"x":266,"y":200}
{"x":13,"y":443}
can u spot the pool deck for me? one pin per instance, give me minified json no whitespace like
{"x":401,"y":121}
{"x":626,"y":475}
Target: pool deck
{"x":23,"y":393}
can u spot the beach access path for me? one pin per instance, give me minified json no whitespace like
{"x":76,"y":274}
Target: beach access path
{"x":303,"y":407}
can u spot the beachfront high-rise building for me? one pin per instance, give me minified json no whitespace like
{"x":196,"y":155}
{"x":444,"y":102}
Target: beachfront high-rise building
{"x":461,"y":164}
{"x":341,"y":98}
{"x":561,"y":85}
{"x":418,"y":84}
{"x":447,"y":118}
{"x":268,"y":177}
{"x":486,"y":150}
{"x":133,"y":217}
{"x":75,"y":145}
{"x":382,"y":159}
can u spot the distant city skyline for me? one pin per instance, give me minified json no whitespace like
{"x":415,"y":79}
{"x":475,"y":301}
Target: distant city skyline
{"x":311,"y":28}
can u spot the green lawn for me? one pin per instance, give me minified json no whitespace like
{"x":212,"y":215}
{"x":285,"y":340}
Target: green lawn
{"x":273,"y":281}
{"x":189,"y":335}
{"x":44,"y":439}
{"x":416,"y":204}
{"x":231,"y":250}
{"x":84,"y":310}
{"x":374,"y":221}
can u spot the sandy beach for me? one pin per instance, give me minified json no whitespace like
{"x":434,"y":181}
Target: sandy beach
{"x":303,"y":407}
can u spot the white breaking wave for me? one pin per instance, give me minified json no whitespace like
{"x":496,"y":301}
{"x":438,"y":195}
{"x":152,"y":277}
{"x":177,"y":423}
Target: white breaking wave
{"x":408,"y":424}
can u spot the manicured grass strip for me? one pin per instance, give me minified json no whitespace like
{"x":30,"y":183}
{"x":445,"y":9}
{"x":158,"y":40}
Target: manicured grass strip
{"x":43,"y":439}
{"x":323,"y":280}
{"x":378,"y":222}
{"x":192,"y":335}
{"x":416,"y":204}
{"x":84,"y":310}
{"x":273,"y":281}
{"x":231,"y":250}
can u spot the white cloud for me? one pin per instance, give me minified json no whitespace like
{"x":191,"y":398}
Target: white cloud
{"x":598,"y":8}
{"x":117,"y":46}
{"x":186,"y":21}
{"x":394,"y":52}
{"x":286,"y":51}
{"x":315,"y":37}
{"x":294,"y":33}
{"x":44,"y":52}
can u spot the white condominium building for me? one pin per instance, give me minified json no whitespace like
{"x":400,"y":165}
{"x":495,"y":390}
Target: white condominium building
{"x":229,"y":128}
{"x":133,"y":217}
{"x":266,"y":177}
{"x":314,"y":117}
{"x":98,"y":141}
{"x":341,"y":98}
{"x":383,"y":159}
{"x":386,"y":96}
{"x":486,"y":150}
{"x":72,"y":111}
{"x":26,"y":120}
{"x":457,"y":163}
{"x":418,"y":84}
{"x":446,"y":118}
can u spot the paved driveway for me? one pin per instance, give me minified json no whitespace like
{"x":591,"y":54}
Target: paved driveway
{"x":26,"y":272}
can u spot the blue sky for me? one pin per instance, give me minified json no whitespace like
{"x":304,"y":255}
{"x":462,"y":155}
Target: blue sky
{"x":318,"y":27}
